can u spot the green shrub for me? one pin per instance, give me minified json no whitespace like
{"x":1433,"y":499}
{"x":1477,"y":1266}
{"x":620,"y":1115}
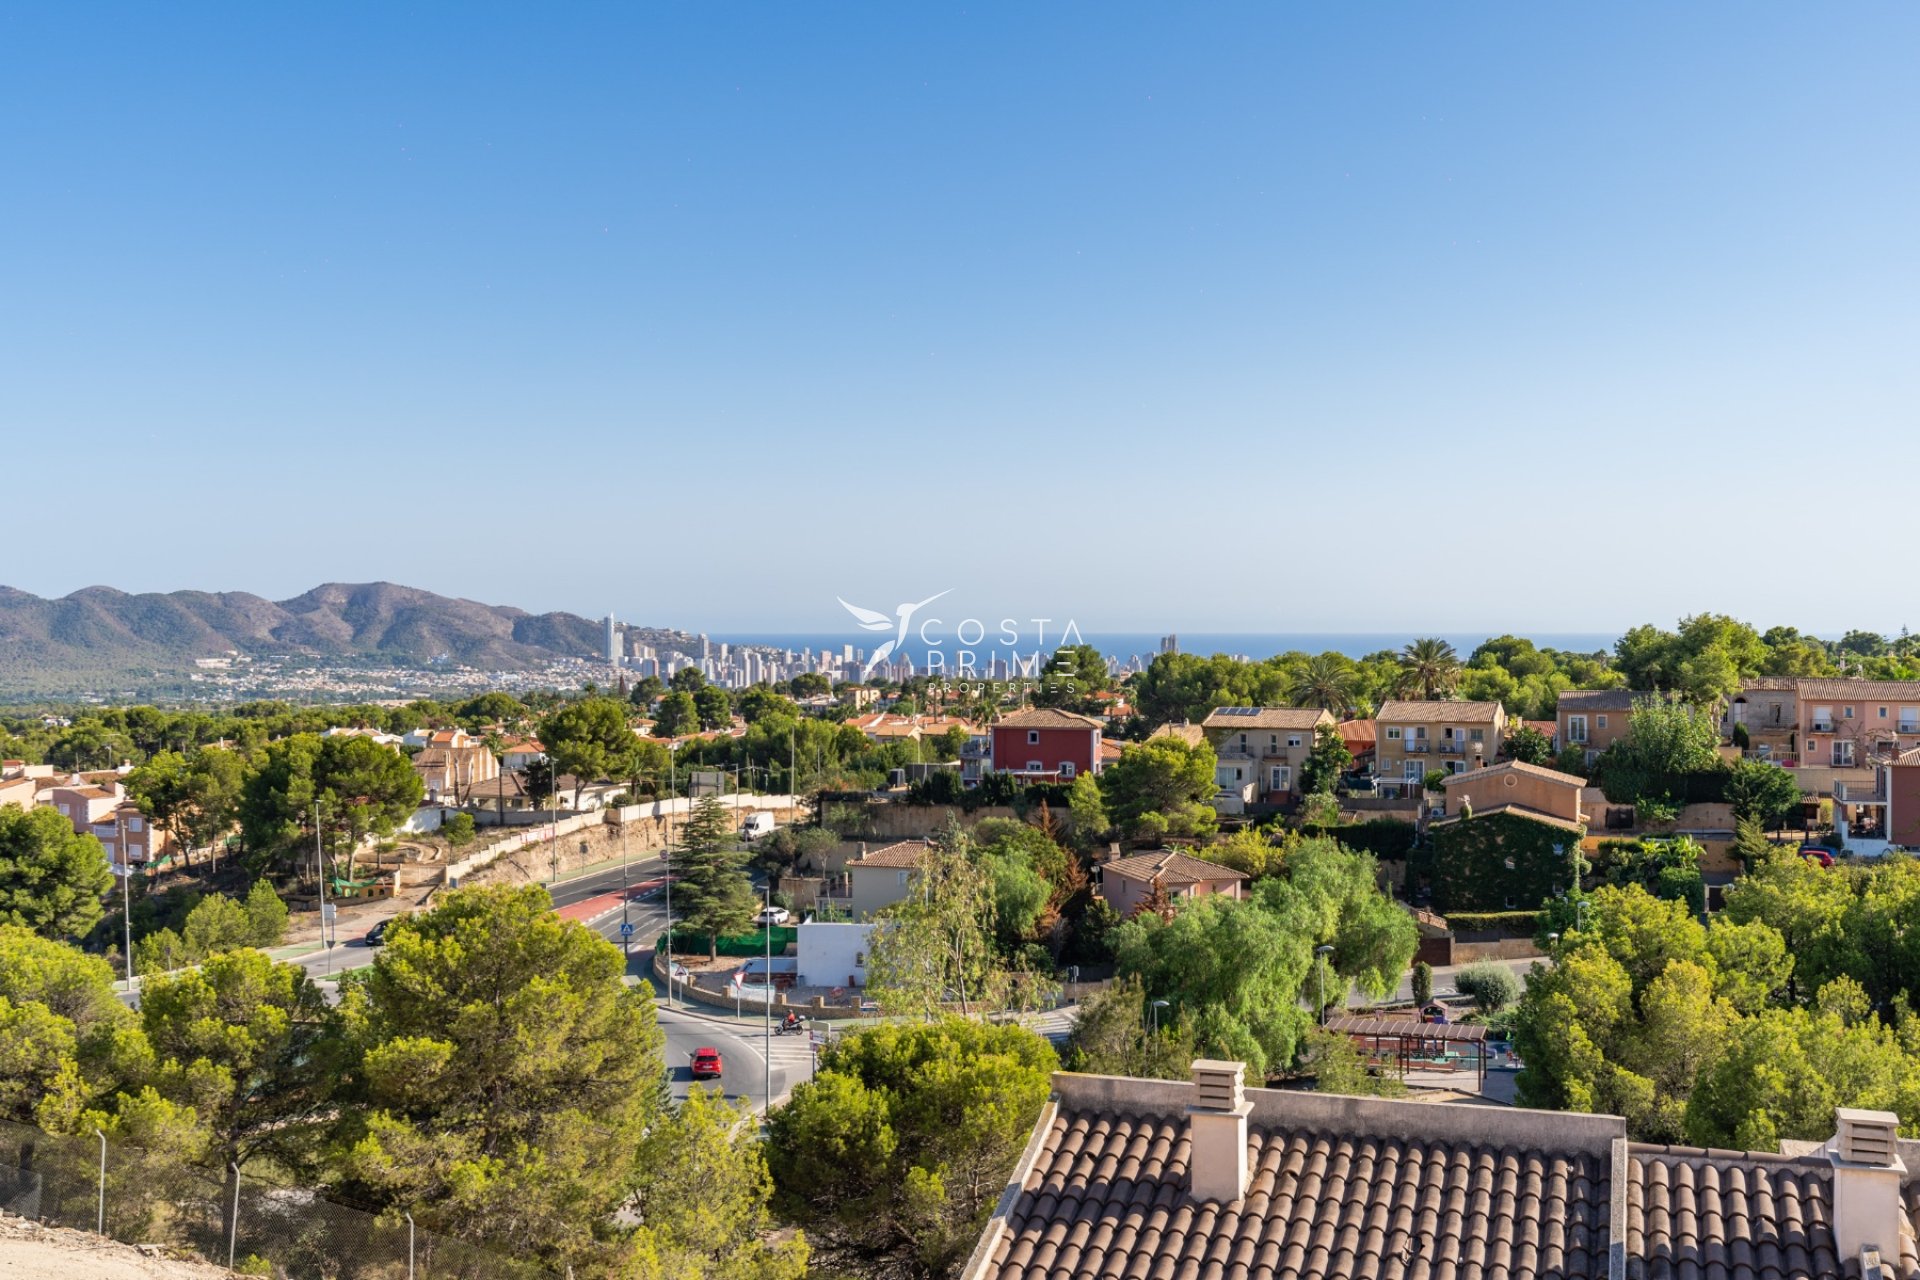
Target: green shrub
{"x":458,"y":829}
{"x":1422,"y":983}
{"x":1512,"y":924}
{"x":1492,"y":986}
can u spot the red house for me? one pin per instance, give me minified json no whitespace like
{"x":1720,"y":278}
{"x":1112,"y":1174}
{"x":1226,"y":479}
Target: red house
{"x":1044,"y":745}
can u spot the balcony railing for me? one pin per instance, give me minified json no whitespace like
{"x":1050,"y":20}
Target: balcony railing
{"x":1907,"y":727}
{"x":1414,"y":748}
{"x":1821,"y":726}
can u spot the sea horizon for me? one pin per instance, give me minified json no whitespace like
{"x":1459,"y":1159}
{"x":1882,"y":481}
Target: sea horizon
{"x":1253,"y":645}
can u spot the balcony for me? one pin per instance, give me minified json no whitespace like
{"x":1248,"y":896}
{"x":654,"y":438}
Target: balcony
{"x":1821,"y":726}
{"x":1415,"y":748}
{"x":1907,"y":727}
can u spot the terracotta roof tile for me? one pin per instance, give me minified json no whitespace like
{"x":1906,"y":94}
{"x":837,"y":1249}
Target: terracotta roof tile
{"x":1191,"y":734}
{"x":1583,"y":700}
{"x":1046,"y":718}
{"x":1240,"y":718}
{"x":1521,"y":767}
{"x":907,"y":853}
{"x":1171,"y":866}
{"x":1860,"y":690}
{"x":1437,"y":712}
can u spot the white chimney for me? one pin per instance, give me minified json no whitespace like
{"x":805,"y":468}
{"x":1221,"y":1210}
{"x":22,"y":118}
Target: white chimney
{"x":1867,"y":1174}
{"x":1217,"y":1132}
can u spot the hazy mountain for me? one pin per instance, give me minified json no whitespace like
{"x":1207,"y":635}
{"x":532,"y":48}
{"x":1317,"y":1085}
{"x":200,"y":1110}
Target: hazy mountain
{"x":101,"y":629}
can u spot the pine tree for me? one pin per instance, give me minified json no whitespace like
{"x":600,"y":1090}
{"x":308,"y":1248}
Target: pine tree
{"x":710,"y":885}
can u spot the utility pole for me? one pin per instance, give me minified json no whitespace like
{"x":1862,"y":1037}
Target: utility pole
{"x":126,"y":893}
{"x":666,"y":862}
{"x":320,"y":866}
{"x":626,"y":925}
{"x":766,"y":1003}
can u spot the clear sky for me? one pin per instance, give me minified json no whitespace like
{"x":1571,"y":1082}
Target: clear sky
{"x":1223,"y":317}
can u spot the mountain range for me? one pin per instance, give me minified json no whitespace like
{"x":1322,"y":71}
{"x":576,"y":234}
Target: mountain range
{"x":99,"y":629}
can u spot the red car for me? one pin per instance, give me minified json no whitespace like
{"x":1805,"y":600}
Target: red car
{"x":705,"y":1063}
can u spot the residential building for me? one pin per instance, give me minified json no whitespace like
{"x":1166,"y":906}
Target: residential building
{"x":1416,"y":738}
{"x":129,"y":838}
{"x":1884,"y":816}
{"x":1127,"y":882}
{"x":832,"y":954}
{"x":1210,"y":1180}
{"x":450,"y":773}
{"x":878,"y":878}
{"x":1259,"y":751}
{"x":18,"y":792}
{"x":1594,"y":719}
{"x":1041,"y":744}
{"x":522,"y":752}
{"x":83,"y":805}
{"x":1518,"y":787}
{"x":1844,"y":723}
{"x":1362,"y":738}
{"x":1191,"y":734}
{"x":1769,"y":709}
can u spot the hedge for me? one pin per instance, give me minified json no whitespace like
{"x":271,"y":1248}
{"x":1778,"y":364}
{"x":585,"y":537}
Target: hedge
{"x":1382,"y":837}
{"x":1512,"y":924}
{"x":1500,"y":862}
{"x":688,"y":943}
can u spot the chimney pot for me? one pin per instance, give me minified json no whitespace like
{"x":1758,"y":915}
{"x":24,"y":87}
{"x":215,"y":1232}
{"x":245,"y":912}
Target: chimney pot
{"x":1868,"y":1209}
{"x":1217,"y":1132}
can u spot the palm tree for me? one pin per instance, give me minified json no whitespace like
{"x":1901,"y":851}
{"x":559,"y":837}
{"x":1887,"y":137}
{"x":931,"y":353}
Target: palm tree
{"x":1327,"y":682}
{"x":1429,"y":668}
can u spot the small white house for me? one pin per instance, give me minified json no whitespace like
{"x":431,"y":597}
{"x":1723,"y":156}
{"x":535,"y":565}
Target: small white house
{"x":833,"y":955}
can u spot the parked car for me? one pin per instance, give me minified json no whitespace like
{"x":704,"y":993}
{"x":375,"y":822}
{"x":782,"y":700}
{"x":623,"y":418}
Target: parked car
{"x":1818,"y":853}
{"x":705,"y":1063}
{"x":773,"y":915}
{"x":757,"y":825}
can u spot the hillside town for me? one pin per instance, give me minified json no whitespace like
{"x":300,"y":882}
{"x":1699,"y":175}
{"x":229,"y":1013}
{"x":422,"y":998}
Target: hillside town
{"x":1375,"y":880}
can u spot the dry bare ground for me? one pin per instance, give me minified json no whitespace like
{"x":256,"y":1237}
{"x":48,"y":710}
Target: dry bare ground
{"x":29,"y":1251}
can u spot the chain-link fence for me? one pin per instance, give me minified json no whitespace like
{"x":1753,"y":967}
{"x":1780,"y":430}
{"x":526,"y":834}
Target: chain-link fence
{"x":288,"y":1233}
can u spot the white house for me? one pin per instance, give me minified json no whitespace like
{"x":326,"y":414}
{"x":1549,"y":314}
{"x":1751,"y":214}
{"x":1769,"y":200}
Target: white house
{"x":833,"y":955}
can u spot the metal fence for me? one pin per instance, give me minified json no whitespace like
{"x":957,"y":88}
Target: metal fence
{"x":287,"y":1233}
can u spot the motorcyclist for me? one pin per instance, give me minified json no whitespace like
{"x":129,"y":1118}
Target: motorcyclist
{"x":791,"y":1022}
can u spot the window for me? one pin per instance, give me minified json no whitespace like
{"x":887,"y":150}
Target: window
{"x":1883,"y":713}
{"x":1034,"y":766}
{"x":1599,"y":722}
{"x":1576,"y":728}
{"x":1847,"y":712}
{"x":1843,"y":753}
{"x":1478,"y":735}
{"x":1293,"y":740}
{"x":1273,"y":742}
{"x":1282,"y":778}
{"x":133,"y":822}
{"x":1393,"y":735}
{"x":1413,"y":770}
{"x":1066,"y":768}
{"x":903,"y":877}
{"x":1243,"y":742}
{"x":1033,"y":737}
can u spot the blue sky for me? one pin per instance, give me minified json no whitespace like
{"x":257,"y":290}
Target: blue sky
{"x":1234,"y":317}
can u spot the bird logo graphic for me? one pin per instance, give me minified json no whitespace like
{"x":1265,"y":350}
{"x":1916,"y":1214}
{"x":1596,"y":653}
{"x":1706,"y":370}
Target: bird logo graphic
{"x":874,"y":620}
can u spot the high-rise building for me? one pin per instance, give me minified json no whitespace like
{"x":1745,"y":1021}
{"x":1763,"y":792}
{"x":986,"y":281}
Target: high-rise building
{"x":613,"y":641}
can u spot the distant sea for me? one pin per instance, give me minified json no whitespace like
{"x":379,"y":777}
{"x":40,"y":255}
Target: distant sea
{"x":1125,"y":644}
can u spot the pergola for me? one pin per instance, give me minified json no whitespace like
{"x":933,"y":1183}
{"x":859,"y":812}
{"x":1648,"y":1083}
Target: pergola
{"x":1411,"y":1041}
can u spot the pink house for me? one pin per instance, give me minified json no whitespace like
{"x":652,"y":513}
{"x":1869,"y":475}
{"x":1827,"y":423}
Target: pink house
{"x":1845,"y":722}
{"x":1127,"y":882}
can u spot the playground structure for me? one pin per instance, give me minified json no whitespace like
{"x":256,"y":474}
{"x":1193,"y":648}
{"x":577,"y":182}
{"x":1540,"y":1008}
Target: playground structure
{"x":1404,"y":1045}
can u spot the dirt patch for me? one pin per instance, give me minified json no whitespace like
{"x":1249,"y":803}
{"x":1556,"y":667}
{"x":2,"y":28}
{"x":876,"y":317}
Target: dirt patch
{"x":29,"y":1251}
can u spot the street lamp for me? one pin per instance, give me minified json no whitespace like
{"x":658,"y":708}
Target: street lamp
{"x":766,"y":1004}
{"x":1153,"y":1015}
{"x":1323,"y":951}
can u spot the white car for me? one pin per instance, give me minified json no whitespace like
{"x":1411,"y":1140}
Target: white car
{"x":773,"y":915}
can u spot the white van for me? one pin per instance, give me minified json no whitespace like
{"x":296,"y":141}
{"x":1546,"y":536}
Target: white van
{"x":757,"y":825}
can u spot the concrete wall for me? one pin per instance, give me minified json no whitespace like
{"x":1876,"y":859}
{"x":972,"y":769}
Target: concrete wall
{"x":833,"y":955}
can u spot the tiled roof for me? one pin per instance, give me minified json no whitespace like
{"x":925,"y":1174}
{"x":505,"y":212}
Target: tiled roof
{"x":1437,"y":712}
{"x":1171,"y":866}
{"x":1774,"y":1215}
{"x":1191,"y":734}
{"x":1582,"y":700}
{"x":1045,"y":718}
{"x":1909,"y":757}
{"x":905,"y":854}
{"x":1241,"y":718}
{"x":1769,"y":684}
{"x":1108,"y":1199}
{"x":1520,"y":767}
{"x":1860,"y":690}
{"x":1341,"y":1188}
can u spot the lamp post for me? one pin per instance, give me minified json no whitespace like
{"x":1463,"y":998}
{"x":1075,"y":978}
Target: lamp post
{"x":1323,"y":951}
{"x":626,"y":925}
{"x":1153,"y":1016}
{"x":126,"y":892}
{"x":766,"y":1004}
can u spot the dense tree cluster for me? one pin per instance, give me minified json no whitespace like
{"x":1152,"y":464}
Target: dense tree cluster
{"x":491,"y":1073}
{"x":1740,"y":1032}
